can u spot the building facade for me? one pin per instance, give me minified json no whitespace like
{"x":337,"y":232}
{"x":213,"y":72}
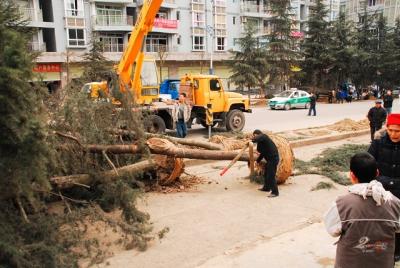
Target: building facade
{"x":389,"y":8}
{"x":195,"y":34}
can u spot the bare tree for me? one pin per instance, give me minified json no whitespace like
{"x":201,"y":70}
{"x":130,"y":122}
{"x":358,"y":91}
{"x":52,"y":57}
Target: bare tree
{"x":162,"y":55}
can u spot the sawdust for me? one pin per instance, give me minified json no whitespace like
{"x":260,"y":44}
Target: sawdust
{"x":347,"y":125}
{"x":184,"y":183}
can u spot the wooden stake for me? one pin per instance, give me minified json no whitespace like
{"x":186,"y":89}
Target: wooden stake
{"x":251,"y":158}
{"x":234,"y":160}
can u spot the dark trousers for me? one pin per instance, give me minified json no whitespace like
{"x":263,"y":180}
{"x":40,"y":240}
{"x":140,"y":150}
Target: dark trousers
{"x":374,"y":128}
{"x":181,"y":128}
{"x":270,"y":176}
{"x":393,"y":186}
{"x":312,"y":108}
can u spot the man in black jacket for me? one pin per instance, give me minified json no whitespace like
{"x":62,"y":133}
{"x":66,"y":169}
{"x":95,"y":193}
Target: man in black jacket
{"x":388,"y":102}
{"x":376,"y":116}
{"x":267,"y":149}
{"x":386,"y":151}
{"x":313,"y":101}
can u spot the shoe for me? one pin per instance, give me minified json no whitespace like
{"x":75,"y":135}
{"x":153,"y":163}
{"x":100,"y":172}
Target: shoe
{"x":396,"y":258}
{"x":264,"y":190}
{"x":271,"y":195}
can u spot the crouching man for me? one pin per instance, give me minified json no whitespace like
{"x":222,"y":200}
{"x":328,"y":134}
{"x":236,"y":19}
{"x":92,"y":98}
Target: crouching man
{"x":366,"y":219}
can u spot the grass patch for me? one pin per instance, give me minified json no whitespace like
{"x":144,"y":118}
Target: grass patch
{"x":323,"y":185}
{"x":331,"y":163}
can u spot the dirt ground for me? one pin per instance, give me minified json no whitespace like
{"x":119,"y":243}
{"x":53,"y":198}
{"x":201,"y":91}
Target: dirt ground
{"x":226,"y":222}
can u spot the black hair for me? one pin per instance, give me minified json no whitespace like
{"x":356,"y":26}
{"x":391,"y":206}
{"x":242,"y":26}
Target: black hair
{"x":363,"y":166}
{"x":183,"y":94}
{"x":257,"y":132}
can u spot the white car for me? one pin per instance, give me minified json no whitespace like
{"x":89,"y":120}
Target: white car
{"x":290,"y":99}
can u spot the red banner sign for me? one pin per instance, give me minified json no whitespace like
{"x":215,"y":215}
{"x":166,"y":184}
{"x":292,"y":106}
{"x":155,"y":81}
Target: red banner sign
{"x":165,"y":23}
{"x":47,"y":68}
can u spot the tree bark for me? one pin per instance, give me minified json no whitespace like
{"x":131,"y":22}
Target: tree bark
{"x":64,"y":182}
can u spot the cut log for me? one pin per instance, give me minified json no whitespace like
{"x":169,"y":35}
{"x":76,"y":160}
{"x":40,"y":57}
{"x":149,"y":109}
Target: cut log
{"x":190,"y":142}
{"x":65,"y":182}
{"x":165,"y":147}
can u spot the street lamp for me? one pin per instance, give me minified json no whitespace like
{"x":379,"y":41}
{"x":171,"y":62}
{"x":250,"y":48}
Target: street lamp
{"x":210,"y":30}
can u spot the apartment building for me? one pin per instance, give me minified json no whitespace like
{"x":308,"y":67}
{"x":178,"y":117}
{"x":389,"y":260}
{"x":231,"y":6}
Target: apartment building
{"x":389,"y":8}
{"x":193,"y":33}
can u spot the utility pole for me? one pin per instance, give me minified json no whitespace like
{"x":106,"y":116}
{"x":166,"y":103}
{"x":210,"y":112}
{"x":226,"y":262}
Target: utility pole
{"x":211,"y":31}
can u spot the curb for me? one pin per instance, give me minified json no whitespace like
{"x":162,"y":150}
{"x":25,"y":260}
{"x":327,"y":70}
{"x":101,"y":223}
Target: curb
{"x":328,"y":138}
{"x":299,"y":143}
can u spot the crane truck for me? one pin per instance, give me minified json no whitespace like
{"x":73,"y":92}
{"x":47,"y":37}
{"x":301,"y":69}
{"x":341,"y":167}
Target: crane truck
{"x":138,"y":74}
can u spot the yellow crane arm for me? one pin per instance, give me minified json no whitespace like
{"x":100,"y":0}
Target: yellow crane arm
{"x":143,"y":26}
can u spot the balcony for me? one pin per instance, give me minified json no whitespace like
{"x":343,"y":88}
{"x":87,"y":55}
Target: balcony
{"x":36,"y":47}
{"x":165,"y":26}
{"x":252,"y":10}
{"x":32,"y":15}
{"x":112,"y":22}
{"x":166,"y":3}
{"x":113,"y":47}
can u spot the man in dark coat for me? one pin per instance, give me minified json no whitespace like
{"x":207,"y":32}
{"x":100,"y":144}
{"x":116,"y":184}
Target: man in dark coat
{"x":388,"y":101}
{"x":268,"y":151}
{"x":386,"y":150}
{"x":313,"y":101}
{"x":376,"y":116}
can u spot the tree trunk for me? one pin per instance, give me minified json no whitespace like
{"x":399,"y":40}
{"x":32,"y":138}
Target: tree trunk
{"x":65,"y":182}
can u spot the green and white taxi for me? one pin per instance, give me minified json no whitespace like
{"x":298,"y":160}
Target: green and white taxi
{"x":290,"y":99}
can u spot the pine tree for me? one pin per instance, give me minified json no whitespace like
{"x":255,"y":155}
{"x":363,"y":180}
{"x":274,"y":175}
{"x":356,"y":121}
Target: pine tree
{"x":97,"y":67}
{"x":248,"y":65}
{"x":364,"y":69}
{"x":317,"y":56}
{"x":342,"y":48}
{"x":23,"y":149}
{"x":382,"y":52}
{"x":390,"y":59}
{"x":282,"y":54}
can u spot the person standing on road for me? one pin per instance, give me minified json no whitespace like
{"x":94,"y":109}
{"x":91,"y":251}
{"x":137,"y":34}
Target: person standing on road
{"x":366,"y":219}
{"x":376,"y":116}
{"x":386,"y":150}
{"x":313,"y":102}
{"x":388,"y":101}
{"x":181,"y":115}
{"x":268,"y":151}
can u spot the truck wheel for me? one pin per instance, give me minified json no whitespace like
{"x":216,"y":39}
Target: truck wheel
{"x":235,"y":120}
{"x":154,"y":124}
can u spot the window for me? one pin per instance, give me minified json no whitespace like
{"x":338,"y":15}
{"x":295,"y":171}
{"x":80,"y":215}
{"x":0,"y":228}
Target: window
{"x":198,"y":19}
{"x":109,"y":16}
{"x":178,"y":40}
{"x":156,"y":42}
{"x":178,"y":14}
{"x":162,"y":15}
{"x":74,"y":8}
{"x":215,"y":85}
{"x":221,"y":43}
{"x":112,"y":42}
{"x":76,"y":37}
{"x":198,"y":43}
{"x":234,"y":20}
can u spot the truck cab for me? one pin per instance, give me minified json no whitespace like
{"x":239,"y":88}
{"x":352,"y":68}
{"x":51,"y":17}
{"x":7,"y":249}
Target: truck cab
{"x":207,"y":96}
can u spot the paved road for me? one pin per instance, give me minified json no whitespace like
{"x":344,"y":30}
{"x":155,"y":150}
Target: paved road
{"x":279,"y":120}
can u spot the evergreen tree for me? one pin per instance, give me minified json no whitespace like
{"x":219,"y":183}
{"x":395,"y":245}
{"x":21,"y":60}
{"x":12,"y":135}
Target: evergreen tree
{"x":282,"y":54}
{"x":97,"y":67}
{"x":318,"y":58}
{"x":342,"y":48}
{"x":23,"y":149}
{"x":390,"y":59}
{"x":364,"y":69}
{"x":382,"y":52}
{"x":248,"y":65}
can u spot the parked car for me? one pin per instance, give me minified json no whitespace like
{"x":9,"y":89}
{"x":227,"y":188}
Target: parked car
{"x":290,"y":99}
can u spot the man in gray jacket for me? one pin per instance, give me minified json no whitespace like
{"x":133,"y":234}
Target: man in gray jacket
{"x":180,"y":115}
{"x":366,"y":219}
